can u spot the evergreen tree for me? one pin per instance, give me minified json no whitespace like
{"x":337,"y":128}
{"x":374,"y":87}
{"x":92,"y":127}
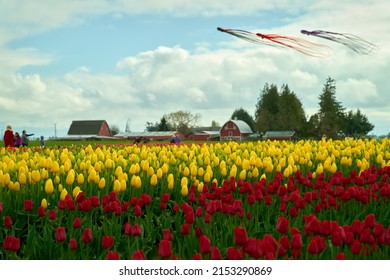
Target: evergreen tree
{"x":243,"y":115}
{"x":357,"y":124}
{"x":267,"y":109}
{"x":331,"y":112}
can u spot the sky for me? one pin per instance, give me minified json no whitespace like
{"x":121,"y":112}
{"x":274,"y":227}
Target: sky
{"x":131,"y":62}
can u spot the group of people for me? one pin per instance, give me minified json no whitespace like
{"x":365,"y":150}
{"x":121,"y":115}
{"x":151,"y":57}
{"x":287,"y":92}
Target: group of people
{"x":16,"y":140}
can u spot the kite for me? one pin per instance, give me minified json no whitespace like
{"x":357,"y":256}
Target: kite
{"x":357,"y":44}
{"x":275,"y":40}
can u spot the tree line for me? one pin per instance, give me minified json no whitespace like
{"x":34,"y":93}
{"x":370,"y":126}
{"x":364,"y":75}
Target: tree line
{"x":279,"y":109}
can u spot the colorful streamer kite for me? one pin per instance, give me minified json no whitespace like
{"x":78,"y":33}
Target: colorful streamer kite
{"x":357,"y":44}
{"x":297,"y":44}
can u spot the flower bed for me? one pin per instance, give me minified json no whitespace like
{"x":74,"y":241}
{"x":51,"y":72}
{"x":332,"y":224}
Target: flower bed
{"x":254,"y":200}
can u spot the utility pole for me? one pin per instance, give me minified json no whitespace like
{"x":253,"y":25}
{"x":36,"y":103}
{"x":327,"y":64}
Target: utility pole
{"x":55,"y":130}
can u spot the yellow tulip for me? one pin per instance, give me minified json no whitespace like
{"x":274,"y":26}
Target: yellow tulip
{"x":80,"y":179}
{"x":70,"y":177}
{"x":123,"y":185}
{"x":35,"y":176}
{"x":242,"y":174}
{"x":44,"y":203}
{"x":22,"y":178}
{"x":76,"y":191}
{"x":63,"y":194}
{"x":117,"y":186}
{"x":102,"y":183}
{"x":153,"y":180}
{"x":184,"y":190}
{"x":49,"y":186}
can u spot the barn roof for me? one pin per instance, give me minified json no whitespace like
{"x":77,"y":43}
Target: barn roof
{"x":279,"y":134}
{"x":89,"y":127}
{"x":242,"y":126}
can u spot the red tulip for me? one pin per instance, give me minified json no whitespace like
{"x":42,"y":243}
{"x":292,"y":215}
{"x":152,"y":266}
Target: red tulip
{"x":199,"y":211}
{"x":60,"y":234}
{"x":11,"y":243}
{"x":197,"y":257}
{"x":165,"y":197}
{"x":366,"y":237}
{"x":73,"y":244}
{"x":337,"y":238}
{"x":254,"y":247}
{"x":233,"y":253}
{"x":185,"y":229}
{"x":138,"y":255}
{"x":112,"y":255}
{"x":146,"y":199}
{"x":165,"y":250}
{"x":356,"y":247}
{"x":167,"y":234}
{"x":137,"y":211}
{"x":28,"y":205}
{"x":77,"y":222}
{"x":282,"y":225}
{"x":204,"y":244}
{"x":52,"y":214}
{"x":136,"y":230}
{"x":215,"y":254}
{"x":8,"y":221}
{"x":127,"y":228}
{"x":316,"y":245}
{"x":107,"y":241}
{"x":293,"y":212}
{"x":340,"y":256}
{"x":369,"y":221}
{"x":296,"y":241}
{"x":198,"y":232}
{"x":240,"y":237}
{"x":87,"y":235}
{"x":41,"y":212}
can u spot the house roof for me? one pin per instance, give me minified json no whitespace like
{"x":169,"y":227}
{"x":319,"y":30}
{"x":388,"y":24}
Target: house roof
{"x":279,"y":134}
{"x":242,"y":126}
{"x":85,"y":127}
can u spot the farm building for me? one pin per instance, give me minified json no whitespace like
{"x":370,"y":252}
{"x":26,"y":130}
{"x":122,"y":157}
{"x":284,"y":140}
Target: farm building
{"x":147,"y":136}
{"x":280,"y":135}
{"x":204,"y":134}
{"x":235,"y":130}
{"x":89,"y":129}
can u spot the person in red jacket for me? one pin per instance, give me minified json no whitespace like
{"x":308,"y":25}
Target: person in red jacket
{"x":9,"y":137}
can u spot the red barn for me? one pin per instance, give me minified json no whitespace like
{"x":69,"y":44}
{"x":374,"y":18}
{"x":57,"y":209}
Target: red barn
{"x":235,"y":130}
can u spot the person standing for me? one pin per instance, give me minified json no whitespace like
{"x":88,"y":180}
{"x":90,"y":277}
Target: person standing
{"x":18,"y":140}
{"x":9,"y":137}
{"x":25,"y":139}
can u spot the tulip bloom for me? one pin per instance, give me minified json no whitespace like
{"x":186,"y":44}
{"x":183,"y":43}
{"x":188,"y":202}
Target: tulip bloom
{"x":60,"y":234}
{"x":138,"y":255}
{"x":41,"y":211}
{"x":52,"y":214}
{"x":167,"y":234}
{"x":112,"y":255}
{"x":215,"y":253}
{"x":204,"y":244}
{"x":107,"y":241}
{"x":185,"y":229}
{"x":11,"y":243}
{"x":282,"y":225}
{"x":28,"y":205}
{"x":164,"y":248}
{"x":87,"y":235}
{"x":136,"y":230}
{"x":73,"y":244}
{"x":240,"y":236}
{"x":233,"y":253}
{"x":77,"y":222}
{"x":8,"y":221}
